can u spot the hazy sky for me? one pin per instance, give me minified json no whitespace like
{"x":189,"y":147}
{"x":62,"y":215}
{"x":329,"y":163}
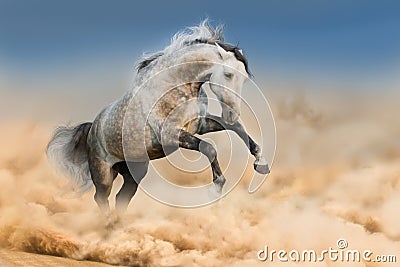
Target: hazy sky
{"x":291,"y":37}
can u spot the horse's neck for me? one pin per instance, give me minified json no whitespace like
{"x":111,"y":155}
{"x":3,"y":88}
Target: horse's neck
{"x":188,"y":64}
{"x":191,"y":63}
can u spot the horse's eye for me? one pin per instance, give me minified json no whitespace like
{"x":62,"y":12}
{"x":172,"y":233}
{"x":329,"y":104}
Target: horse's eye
{"x":228,"y":75}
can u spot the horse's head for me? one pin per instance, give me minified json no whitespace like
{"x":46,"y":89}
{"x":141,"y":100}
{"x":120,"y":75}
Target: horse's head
{"x":227,"y":79}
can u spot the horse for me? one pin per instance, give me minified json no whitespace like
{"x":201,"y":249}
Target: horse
{"x":139,"y":127}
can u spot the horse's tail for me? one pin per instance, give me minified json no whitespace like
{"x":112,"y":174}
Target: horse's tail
{"x":68,"y":152}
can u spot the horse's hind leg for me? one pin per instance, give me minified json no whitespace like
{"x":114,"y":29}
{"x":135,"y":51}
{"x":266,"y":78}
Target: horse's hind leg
{"x":103,"y":176}
{"x":130,"y":185}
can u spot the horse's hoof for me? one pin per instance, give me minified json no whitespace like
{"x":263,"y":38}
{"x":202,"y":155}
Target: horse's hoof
{"x":213,"y":192}
{"x":219,"y":183}
{"x":215,"y":189}
{"x":261,"y":166}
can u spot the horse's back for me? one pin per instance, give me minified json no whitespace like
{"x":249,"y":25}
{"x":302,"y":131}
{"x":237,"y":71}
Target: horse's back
{"x":118,"y":136}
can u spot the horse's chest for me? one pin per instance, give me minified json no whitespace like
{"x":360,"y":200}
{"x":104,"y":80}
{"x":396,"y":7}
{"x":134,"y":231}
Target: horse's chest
{"x":180,"y":110}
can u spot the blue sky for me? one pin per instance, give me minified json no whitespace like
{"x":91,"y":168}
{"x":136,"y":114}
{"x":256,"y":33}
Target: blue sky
{"x":332,"y":40}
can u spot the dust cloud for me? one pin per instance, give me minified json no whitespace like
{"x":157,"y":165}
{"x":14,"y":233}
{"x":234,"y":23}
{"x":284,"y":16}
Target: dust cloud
{"x":336,"y":175}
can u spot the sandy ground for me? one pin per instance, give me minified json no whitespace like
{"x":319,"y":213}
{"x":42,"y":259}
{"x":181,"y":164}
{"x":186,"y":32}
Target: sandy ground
{"x":336,"y":175}
{"x":9,"y":258}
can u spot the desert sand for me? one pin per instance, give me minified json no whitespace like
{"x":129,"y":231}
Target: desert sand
{"x":336,"y":175}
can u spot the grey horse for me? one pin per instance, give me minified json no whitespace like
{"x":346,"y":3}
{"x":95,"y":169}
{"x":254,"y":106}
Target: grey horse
{"x":163,"y":111}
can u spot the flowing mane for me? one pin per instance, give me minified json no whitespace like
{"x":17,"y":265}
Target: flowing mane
{"x":204,"y":33}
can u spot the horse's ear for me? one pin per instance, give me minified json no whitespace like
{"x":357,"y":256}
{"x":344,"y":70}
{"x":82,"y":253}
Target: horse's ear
{"x":224,"y":54}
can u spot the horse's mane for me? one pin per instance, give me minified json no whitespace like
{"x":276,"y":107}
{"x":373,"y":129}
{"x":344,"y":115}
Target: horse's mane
{"x":203,"y":33}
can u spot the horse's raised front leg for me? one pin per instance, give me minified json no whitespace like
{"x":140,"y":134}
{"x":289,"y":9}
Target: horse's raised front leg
{"x":189,"y":141}
{"x":214,"y":124}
